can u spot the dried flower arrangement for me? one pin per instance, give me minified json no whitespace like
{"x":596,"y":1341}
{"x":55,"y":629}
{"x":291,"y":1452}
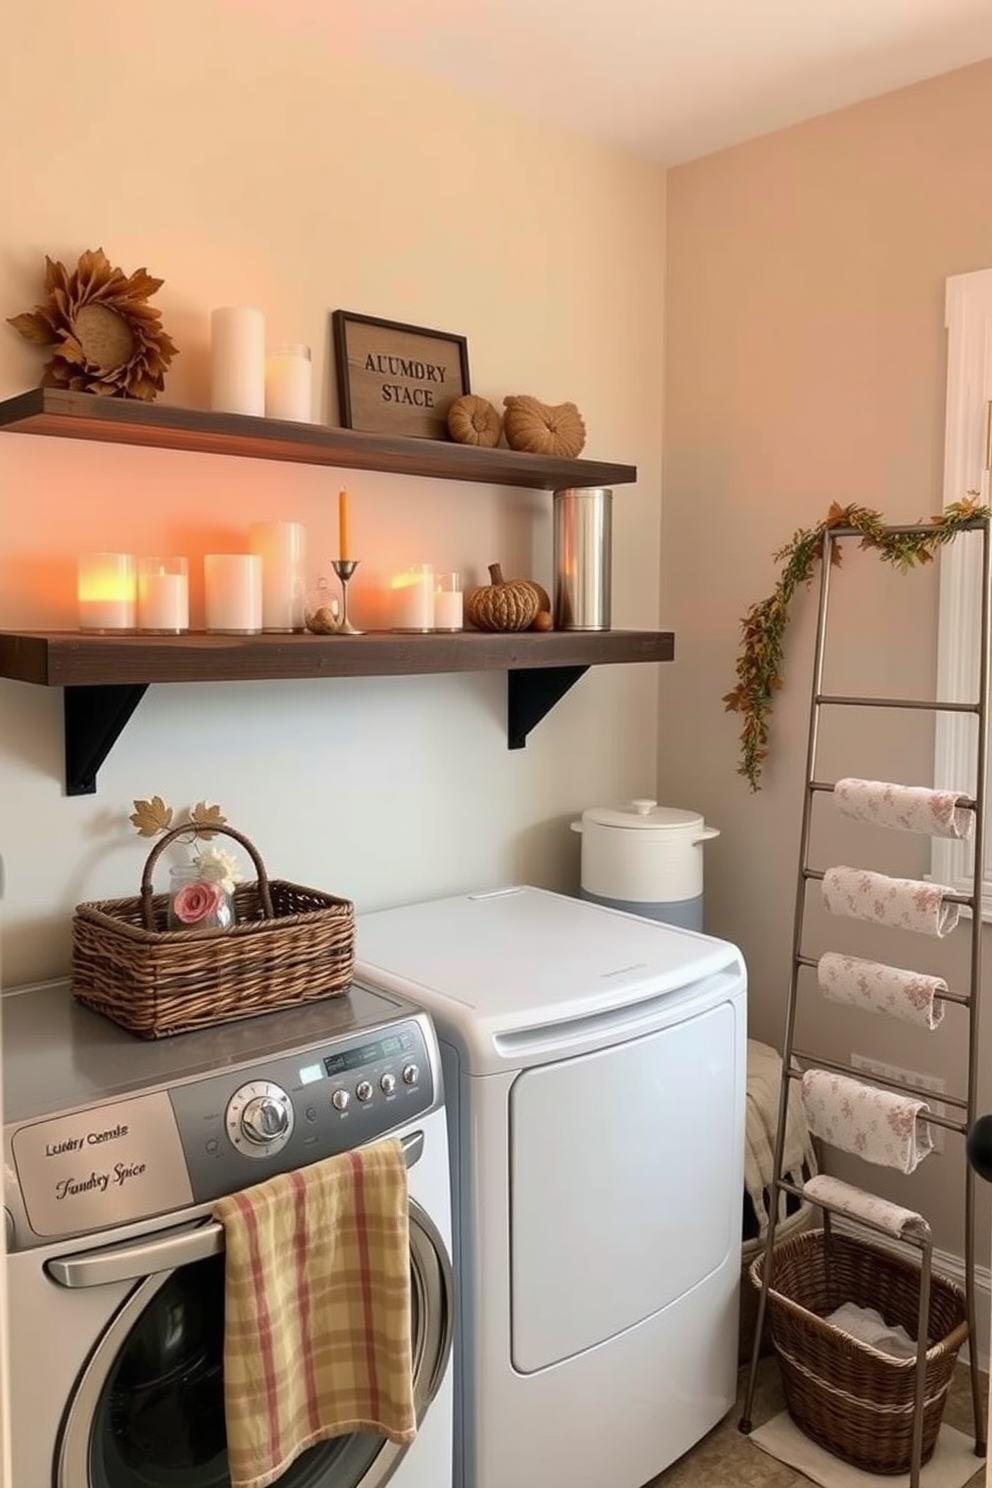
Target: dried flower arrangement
{"x":104,"y":336}
{"x":759,"y":661}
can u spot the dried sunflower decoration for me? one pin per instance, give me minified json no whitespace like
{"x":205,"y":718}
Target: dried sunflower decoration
{"x":104,"y":336}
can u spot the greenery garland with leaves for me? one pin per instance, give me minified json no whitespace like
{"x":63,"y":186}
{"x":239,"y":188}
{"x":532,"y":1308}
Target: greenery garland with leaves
{"x":759,"y":661}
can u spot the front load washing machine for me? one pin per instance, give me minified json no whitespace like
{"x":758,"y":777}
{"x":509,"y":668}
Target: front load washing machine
{"x":595,"y":1068}
{"x":114,"y":1149}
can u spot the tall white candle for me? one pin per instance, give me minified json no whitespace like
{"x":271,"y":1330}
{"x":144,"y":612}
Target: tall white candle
{"x":282,"y":549}
{"x":237,"y":360}
{"x":412,"y":598}
{"x":106,"y":591}
{"x":163,"y":595}
{"x":233,"y":588}
{"x":289,"y":384}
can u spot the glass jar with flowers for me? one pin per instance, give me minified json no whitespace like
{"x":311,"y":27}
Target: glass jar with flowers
{"x":201,"y":889}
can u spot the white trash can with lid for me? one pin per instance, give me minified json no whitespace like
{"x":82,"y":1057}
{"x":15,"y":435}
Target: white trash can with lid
{"x":645,"y":858}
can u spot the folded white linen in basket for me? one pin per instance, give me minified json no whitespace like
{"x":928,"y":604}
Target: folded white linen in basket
{"x":914,"y":808}
{"x":877,"y":1125}
{"x":903,"y":903}
{"x":881,"y":989}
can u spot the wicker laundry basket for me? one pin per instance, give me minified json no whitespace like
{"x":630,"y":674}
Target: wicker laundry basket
{"x":793,"y":1224}
{"x":850,"y":1398}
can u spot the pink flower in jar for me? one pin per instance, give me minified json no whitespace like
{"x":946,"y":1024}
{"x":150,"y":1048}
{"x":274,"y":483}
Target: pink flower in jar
{"x":197,"y":901}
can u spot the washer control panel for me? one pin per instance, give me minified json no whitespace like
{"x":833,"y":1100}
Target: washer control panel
{"x":245,"y":1126}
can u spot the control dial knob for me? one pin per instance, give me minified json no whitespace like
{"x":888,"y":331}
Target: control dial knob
{"x":259,"y":1118}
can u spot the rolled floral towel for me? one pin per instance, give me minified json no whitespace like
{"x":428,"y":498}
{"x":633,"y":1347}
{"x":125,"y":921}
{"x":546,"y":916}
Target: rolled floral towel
{"x":874,"y":1124}
{"x":903,"y":903}
{"x":882,"y":989}
{"x":835,"y":1194}
{"x":914,"y":808}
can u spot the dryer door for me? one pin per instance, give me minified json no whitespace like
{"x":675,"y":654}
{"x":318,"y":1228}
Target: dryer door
{"x":148,"y":1411}
{"x":625,"y":1182}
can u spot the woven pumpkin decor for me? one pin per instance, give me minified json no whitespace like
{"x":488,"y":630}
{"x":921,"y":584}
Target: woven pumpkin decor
{"x":505,"y":604}
{"x":538,"y":428}
{"x":103,"y":335}
{"x":474,"y":420}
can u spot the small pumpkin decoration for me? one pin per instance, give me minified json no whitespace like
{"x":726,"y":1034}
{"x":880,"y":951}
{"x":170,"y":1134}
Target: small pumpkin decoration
{"x":474,"y":420}
{"x":504,"y":604}
{"x":538,"y":428}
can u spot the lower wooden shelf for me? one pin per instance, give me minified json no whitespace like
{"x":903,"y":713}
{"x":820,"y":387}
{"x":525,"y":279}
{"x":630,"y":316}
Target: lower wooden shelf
{"x":105,"y":676}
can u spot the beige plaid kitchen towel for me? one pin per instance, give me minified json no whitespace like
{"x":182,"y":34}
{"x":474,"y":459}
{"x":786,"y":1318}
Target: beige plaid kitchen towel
{"x":317,"y":1320}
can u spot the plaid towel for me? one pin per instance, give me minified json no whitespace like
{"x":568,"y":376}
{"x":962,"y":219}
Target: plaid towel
{"x":317,"y":1330}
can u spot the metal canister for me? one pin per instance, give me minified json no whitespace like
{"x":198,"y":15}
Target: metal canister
{"x":583,"y":557}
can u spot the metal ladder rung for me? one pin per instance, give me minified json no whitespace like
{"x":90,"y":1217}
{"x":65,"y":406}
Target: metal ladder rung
{"x":838,"y":701}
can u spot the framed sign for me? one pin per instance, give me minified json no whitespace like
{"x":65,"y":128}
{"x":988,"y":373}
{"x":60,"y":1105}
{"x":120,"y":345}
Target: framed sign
{"x":397,"y":379}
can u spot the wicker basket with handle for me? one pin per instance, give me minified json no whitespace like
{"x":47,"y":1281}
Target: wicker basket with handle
{"x":289,"y":945}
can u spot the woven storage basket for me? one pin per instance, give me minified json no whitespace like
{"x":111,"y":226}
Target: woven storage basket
{"x":289,"y":945}
{"x":847,"y":1396}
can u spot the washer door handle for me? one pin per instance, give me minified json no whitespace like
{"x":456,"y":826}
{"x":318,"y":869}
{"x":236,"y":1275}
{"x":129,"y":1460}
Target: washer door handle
{"x":166,"y":1251}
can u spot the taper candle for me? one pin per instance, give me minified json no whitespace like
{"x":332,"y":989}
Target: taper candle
{"x":344,"y":544}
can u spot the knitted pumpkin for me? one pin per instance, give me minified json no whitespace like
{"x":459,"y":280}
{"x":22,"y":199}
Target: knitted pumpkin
{"x":542,"y":429}
{"x":473,"y":420}
{"x":505,"y":604}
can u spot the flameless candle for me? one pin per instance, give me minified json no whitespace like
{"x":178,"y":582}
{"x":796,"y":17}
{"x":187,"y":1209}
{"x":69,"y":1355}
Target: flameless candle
{"x":105,"y":591}
{"x":281,"y":547}
{"x":237,"y":360}
{"x":344,"y":544}
{"x":233,"y":584}
{"x":448,"y":602}
{"x":288,"y":384}
{"x":412,"y":598}
{"x":163,"y":595}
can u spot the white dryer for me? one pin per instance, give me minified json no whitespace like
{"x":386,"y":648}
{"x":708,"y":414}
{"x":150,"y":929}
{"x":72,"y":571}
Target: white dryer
{"x":595,"y":1068}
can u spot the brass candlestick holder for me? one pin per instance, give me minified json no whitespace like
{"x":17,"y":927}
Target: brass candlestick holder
{"x":345,"y":568}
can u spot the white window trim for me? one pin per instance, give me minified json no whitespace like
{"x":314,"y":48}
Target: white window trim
{"x":968,"y":319}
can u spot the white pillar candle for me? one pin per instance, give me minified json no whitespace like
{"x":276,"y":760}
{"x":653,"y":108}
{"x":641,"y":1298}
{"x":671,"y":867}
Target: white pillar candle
{"x":233,"y":587}
{"x":282,"y":549}
{"x":163,"y":595}
{"x":106,"y":591}
{"x":448,"y":602}
{"x":412,"y":598}
{"x":237,"y":360}
{"x":289,"y":384}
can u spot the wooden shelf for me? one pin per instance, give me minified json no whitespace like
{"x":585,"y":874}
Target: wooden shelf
{"x":126,"y":421}
{"x":104,"y":677}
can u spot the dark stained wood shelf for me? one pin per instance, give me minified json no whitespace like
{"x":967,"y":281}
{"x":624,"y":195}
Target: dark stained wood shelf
{"x":104,"y":677}
{"x":126,"y":421}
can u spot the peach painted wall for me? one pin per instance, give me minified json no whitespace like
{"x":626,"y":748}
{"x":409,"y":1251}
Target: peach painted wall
{"x":248,"y":159}
{"x":805,"y":363}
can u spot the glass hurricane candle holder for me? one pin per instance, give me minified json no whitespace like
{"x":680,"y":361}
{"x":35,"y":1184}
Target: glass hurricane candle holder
{"x":196,"y":903}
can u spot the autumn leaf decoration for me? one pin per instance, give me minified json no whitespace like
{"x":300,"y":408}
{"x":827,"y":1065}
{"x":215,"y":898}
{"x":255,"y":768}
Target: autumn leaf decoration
{"x":152,"y":818}
{"x":103,"y":335}
{"x":760,"y":658}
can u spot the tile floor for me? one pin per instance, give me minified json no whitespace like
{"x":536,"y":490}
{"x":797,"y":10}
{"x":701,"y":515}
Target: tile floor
{"x":726,"y":1459}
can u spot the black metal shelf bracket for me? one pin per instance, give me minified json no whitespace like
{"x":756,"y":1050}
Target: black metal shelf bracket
{"x":94,"y":718}
{"x":531,"y":694}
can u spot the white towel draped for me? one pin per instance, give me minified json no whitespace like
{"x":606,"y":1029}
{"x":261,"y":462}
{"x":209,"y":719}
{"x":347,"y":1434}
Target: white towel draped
{"x":873,"y":1124}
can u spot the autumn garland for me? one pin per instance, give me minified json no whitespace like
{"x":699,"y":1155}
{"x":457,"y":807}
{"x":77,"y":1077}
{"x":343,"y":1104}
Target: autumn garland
{"x":759,"y":661}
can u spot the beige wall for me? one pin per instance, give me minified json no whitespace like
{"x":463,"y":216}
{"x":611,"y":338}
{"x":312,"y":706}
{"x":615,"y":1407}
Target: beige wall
{"x":247,"y":160}
{"x":805,"y":356}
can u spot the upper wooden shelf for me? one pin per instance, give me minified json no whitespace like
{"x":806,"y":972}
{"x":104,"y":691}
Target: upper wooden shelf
{"x":126,"y":421}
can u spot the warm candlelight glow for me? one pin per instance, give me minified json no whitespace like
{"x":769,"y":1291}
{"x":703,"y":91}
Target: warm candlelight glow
{"x":412,"y":598}
{"x":344,"y":535}
{"x":106,"y":591}
{"x":163,"y":595}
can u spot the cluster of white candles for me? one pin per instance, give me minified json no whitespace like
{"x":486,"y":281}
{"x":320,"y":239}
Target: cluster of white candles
{"x":248,"y":377}
{"x":244,"y":593}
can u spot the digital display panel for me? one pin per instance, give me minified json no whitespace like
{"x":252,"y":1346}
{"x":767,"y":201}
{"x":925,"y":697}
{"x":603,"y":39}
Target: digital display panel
{"x":310,"y":1073}
{"x":384,"y":1048}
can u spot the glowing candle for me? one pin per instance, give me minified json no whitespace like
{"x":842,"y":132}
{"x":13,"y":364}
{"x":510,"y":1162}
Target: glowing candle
{"x":412,"y":598}
{"x":344,"y":545}
{"x":106,"y":591}
{"x":163,"y":595}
